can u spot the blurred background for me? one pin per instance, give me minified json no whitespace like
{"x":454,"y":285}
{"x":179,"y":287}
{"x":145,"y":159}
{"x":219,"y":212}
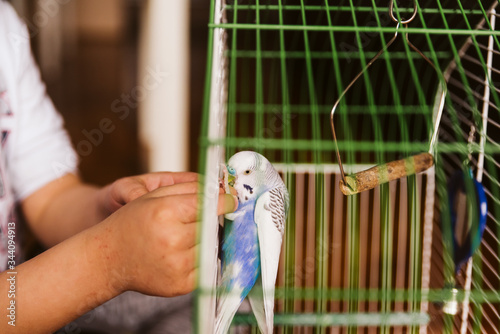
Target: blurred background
{"x":138,"y":65}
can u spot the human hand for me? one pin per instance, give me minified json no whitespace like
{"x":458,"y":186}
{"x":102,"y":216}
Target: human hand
{"x":125,"y":190}
{"x":150,"y":244}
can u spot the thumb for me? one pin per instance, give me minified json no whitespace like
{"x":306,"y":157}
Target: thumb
{"x":227,"y":204}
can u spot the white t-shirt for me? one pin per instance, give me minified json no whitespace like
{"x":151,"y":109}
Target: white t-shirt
{"x":35,"y":149}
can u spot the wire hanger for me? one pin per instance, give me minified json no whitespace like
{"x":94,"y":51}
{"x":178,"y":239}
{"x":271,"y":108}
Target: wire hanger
{"x":370,"y":178}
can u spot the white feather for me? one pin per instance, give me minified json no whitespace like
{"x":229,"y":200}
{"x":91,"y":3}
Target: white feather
{"x":256,"y":299}
{"x":254,"y":174}
{"x":270,"y":211}
{"x":227,"y":306}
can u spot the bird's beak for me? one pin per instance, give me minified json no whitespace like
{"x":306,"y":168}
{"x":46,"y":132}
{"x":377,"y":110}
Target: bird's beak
{"x":231,"y":179}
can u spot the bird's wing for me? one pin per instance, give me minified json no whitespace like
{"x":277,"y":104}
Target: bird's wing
{"x":270,"y":214}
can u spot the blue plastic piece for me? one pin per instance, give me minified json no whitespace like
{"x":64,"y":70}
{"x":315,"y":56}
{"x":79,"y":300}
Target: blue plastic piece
{"x":476,"y":200}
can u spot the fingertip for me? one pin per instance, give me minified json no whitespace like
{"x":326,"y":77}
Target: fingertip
{"x":235,"y":202}
{"x":229,"y":203}
{"x":234,"y":192}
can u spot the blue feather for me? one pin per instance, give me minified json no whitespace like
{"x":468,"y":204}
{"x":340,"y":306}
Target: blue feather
{"x":241,"y":246}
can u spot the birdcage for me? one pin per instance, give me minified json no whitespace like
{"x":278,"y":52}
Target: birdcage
{"x":406,"y":78}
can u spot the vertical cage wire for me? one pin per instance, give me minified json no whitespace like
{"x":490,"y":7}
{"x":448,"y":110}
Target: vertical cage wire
{"x":379,"y":261}
{"x":214,"y":126}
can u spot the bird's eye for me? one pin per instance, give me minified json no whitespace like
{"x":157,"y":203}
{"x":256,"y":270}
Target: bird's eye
{"x":248,"y":171}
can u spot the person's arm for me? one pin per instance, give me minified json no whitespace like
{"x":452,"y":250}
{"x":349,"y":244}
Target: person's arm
{"x":67,"y":206}
{"x":149,"y":246}
{"x":57,"y":286}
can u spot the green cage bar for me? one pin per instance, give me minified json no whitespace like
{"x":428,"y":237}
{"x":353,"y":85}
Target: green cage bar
{"x":380,"y":261}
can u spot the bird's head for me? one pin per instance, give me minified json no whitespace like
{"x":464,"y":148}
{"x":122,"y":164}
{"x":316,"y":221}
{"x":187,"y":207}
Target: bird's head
{"x":252,"y":174}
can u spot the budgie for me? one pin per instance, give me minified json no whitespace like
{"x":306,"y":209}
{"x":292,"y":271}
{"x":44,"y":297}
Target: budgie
{"x":252,"y":240}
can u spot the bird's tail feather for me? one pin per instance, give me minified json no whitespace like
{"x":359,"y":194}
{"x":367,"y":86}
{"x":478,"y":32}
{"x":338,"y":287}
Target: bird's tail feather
{"x":264,"y":317}
{"x":226,"y":309}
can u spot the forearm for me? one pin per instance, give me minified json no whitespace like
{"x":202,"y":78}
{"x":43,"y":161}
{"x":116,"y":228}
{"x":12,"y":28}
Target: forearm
{"x":72,"y":208}
{"x":60,"y":284}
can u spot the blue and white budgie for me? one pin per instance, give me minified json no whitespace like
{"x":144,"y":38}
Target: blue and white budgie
{"x":252,"y":240}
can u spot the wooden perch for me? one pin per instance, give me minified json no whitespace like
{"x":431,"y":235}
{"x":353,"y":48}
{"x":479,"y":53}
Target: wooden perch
{"x":370,"y":178}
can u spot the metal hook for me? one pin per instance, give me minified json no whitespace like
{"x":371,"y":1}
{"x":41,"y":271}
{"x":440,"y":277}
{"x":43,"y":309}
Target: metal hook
{"x":391,"y":11}
{"x":374,"y":176}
